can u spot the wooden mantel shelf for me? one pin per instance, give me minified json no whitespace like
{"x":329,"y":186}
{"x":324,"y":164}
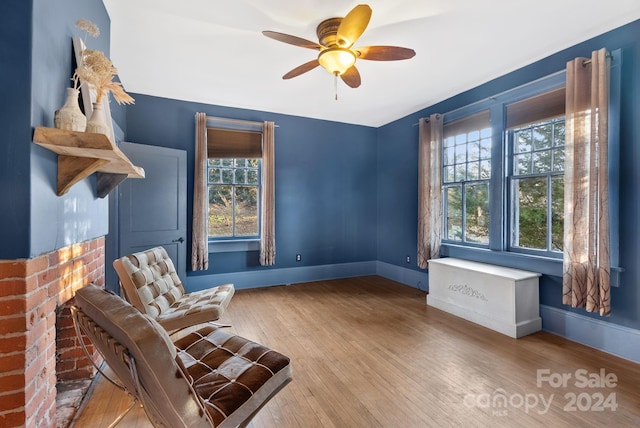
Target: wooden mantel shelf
{"x":80,"y":154}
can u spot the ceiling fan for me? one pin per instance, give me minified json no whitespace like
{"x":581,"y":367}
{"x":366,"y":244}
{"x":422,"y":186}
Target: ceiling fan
{"x":337,"y":55}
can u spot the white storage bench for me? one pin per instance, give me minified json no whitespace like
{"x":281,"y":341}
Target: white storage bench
{"x":502,"y":299}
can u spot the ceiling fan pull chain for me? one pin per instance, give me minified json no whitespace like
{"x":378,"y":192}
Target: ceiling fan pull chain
{"x":335,"y":84}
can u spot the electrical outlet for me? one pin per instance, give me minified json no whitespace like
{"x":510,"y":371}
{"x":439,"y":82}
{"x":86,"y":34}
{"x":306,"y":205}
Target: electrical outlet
{"x":298,"y":257}
{"x":408,"y":259}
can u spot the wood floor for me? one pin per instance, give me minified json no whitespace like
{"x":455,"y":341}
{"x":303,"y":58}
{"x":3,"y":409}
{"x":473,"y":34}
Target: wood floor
{"x":368,"y":352}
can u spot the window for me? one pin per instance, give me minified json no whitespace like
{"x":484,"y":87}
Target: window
{"x":523,"y":227}
{"x":535,"y":142}
{"x":233,"y":181}
{"x":537,"y":186}
{"x":525,"y":176}
{"x":466,"y":163}
{"x":234,"y":189}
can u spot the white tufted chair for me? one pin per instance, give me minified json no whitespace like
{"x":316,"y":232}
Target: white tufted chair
{"x":150,"y":283}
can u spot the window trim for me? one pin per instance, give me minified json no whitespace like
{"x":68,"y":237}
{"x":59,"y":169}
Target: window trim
{"x":233,"y":245}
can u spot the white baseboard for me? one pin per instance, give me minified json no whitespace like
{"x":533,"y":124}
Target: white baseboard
{"x":611,"y":338}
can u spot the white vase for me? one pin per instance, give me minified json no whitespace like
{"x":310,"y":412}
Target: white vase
{"x":97,"y":123}
{"x":69,"y":116}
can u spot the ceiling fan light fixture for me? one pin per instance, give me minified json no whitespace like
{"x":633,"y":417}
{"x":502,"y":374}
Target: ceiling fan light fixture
{"x":336,"y":54}
{"x":337,"y":60}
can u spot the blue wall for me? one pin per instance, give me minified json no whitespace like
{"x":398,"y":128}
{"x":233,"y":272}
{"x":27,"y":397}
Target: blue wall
{"x":79,"y":215}
{"x":398,"y":192}
{"x":36,"y":50}
{"x":325,"y":182}
{"x":15,"y":93}
{"x":397,"y":158}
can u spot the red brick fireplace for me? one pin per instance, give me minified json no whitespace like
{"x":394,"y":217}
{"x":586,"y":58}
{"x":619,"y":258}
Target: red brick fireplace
{"x":38,"y":345}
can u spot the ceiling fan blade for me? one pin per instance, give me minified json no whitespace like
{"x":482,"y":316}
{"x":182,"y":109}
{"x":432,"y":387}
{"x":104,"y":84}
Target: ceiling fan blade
{"x":353,"y":25}
{"x":351,"y":77}
{"x":384,"y":53}
{"x":292,"y":40}
{"x":307,"y":66}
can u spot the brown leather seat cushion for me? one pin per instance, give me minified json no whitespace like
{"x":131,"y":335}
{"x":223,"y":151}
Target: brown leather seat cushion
{"x":230,"y":372}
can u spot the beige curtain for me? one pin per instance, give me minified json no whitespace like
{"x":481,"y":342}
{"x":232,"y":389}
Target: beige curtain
{"x":586,"y":279}
{"x":429,"y":189}
{"x":268,"y":225}
{"x":200,"y":235}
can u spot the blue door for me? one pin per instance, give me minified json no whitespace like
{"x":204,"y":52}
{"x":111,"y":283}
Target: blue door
{"x":152,"y":211}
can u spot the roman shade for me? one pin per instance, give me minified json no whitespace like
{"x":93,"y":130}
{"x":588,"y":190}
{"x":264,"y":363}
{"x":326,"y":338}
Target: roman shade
{"x":467,"y":124}
{"x":548,"y":105}
{"x":233,"y":143}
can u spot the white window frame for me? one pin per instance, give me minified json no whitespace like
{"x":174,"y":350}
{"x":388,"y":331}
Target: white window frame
{"x":258,"y":185}
{"x":514,"y":176}
{"x":460,"y":174}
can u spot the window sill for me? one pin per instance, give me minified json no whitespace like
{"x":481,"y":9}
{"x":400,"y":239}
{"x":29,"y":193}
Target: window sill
{"x":234,"y":245}
{"x":543,"y":265}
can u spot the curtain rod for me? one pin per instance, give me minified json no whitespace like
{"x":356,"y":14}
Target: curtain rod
{"x":245,"y":122}
{"x":607,"y":54}
{"x":585,"y":62}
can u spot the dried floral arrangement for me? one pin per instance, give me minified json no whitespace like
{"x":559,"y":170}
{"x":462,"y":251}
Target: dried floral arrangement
{"x":97,"y":70}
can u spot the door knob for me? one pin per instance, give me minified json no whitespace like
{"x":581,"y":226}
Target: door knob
{"x":180,"y":240}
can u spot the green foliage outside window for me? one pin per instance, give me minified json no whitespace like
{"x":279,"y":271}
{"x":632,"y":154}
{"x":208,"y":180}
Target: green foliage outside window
{"x":538,"y":186}
{"x":466,"y":175}
{"x":233,"y":197}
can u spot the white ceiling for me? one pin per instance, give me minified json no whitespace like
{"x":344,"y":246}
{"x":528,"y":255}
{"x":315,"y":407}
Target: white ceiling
{"x":213,"y":52}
